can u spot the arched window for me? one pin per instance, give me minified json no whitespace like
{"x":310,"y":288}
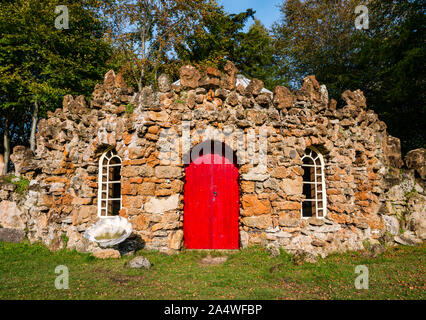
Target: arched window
{"x":314,"y":204}
{"x":109,"y":186}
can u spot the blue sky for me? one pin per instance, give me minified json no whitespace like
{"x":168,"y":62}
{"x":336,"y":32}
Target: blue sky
{"x":266,"y":10}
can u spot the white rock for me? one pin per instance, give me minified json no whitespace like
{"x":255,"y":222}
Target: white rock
{"x":301,"y":240}
{"x":244,"y":239}
{"x":325,"y":228}
{"x":271,"y":229}
{"x":11,"y":216}
{"x":392,"y":224}
{"x":408,"y":239}
{"x":139,"y":262}
{"x":155,"y":205}
{"x":257,"y":173}
{"x":283,"y":234}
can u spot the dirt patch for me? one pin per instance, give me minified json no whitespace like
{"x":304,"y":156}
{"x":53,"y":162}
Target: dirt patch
{"x":116,"y":277}
{"x":210,"y":261}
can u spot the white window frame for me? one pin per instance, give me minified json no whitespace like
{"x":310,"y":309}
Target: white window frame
{"x":319,"y":181}
{"x":103,"y":179}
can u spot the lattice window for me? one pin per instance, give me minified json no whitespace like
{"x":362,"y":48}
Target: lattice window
{"x":109,"y":184}
{"x":314,"y":204}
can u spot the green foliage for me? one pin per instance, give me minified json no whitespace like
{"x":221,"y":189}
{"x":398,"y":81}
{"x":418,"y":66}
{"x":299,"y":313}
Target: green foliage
{"x":256,"y":57}
{"x":41,"y":63}
{"x":21,"y":183}
{"x":222,"y":38}
{"x":145,"y":32}
{"x":390,"y":58}
{"x":217,"y":40}
{"x":385,"y":62}
{"x":130,"y":108}
{"x":315,"y":37}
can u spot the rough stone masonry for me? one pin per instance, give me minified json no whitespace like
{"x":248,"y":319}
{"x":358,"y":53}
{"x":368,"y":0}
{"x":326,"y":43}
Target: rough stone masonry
{"x":371,"y":192}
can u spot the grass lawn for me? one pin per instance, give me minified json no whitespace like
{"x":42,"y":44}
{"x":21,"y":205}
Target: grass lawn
{"x":28,"y":272}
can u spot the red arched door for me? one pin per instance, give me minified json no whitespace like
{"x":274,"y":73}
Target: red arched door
{"x":211,"y":204}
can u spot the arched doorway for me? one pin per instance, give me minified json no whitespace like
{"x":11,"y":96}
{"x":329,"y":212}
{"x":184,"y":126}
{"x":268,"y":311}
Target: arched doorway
{"x":211,"y":198}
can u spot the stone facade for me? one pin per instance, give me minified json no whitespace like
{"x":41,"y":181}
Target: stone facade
{"x":366,"y":189}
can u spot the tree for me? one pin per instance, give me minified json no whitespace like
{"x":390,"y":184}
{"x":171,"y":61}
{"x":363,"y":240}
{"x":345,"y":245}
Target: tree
{"x":316,"y":37}
{"x":217,"y":39}
{"x":39,"y":63}
{"x":222,"y":38}
{"x":144,"y":32}
{"x":319,"y":37}
{"x":256,"y":57}
{"x":392,"y":61}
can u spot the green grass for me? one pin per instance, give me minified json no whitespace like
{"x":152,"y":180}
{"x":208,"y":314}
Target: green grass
{"x":28,"y":272}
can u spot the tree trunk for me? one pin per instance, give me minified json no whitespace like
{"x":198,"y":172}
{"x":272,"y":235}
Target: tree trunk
{"x":33,"y":127}
{"x":6,"y":144}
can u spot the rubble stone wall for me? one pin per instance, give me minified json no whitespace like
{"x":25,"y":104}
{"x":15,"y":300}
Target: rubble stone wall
{"x":360,"y":163}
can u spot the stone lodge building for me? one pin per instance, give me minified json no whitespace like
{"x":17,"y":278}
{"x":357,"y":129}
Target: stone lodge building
{"x":207,"y":164}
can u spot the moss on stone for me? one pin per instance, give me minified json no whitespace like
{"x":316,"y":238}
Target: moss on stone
{"x":109,"y":236}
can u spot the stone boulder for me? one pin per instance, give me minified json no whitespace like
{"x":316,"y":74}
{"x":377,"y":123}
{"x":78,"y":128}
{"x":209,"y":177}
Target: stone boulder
{"x":391,"y":224}
{"x":11,"y":216}
{"x":310,"y":90}
{"x":354,"y":98}
{"x":211,"y":78}
{"x":78,"y":106}
{"x":189,"y":77}
{"x":252,"y":206}
{"x":11,"y":235}
{"x":259,"y":222}
{"x":176,"y":239}
{"x":161,"y":205}
{"x":119,"y":81}
{"x":244,"y":239}
{"x":393,"y":152}
{"x":301,"y":256}
{"x":416,"y":217}
{"x":109,"y":79}
{"x":77,"y":242}
{"x":408,"y":238}
{"x":229,"y":78}
{"x":273,"y":249}
{"x":139,"y":262}
{"x":416,"y":159}
{"x":254,"y":87}
{"x":22,"y":158}
{"x":164,"y":84}
{"x":283,"y":98}
{"x":106,"y":254}
{"x":146,"y":98}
